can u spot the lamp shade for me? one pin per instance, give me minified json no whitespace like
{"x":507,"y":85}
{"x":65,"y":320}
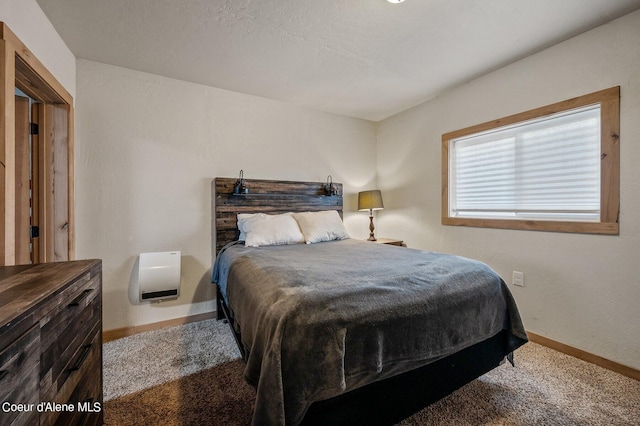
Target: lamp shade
{"x":370,"y":200}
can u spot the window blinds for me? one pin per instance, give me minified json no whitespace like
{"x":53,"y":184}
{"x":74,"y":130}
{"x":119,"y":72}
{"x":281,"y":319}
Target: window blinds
{"x":547,"y":168}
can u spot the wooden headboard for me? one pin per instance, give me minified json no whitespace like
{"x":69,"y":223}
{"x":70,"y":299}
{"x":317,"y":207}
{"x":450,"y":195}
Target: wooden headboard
{"x":264,"y":196}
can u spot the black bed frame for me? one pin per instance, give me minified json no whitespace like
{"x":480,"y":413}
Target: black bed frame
{"x":381,"y":403}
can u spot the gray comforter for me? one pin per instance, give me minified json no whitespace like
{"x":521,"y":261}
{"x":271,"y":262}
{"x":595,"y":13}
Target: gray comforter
{"x":321,"y":319}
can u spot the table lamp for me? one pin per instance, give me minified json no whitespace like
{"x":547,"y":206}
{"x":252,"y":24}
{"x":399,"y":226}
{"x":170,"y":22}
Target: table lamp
{"x":370,"y":200}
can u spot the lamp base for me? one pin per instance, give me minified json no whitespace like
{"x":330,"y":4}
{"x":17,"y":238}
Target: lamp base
{"x":371,"y":227}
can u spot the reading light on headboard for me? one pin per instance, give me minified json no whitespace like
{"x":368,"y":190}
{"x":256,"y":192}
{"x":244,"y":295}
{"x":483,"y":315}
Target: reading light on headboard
{"x":329,"y":189}
{"x":239,"y":187}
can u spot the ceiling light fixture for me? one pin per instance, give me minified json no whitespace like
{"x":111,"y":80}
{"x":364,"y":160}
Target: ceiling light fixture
{"x":395,"y":1}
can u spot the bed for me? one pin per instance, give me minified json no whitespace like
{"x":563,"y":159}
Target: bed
{"x":348,"y":331}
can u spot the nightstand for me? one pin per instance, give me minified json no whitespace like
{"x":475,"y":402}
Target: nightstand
{"x":391,"y":242}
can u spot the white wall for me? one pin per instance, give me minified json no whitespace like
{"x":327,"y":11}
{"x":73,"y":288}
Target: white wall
{"x":147,"y":149}
{"x":30,"y":24}
{"x":581,"y":290}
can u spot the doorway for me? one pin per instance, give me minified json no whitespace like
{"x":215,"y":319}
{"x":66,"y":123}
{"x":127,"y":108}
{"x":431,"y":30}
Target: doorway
{"x":36,"y":159}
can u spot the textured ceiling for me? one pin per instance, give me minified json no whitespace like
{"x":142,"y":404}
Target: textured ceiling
{"x":360,"y":58}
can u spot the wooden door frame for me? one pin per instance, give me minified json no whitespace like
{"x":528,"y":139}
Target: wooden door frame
{"x":23,"y":178}
{"x":20,"y":68}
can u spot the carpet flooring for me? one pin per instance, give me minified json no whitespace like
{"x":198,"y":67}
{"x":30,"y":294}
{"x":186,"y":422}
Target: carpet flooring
{"x":193,"y":375}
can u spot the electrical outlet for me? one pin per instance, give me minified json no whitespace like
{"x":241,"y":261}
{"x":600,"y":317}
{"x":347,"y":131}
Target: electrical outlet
{"x":518,"y":278}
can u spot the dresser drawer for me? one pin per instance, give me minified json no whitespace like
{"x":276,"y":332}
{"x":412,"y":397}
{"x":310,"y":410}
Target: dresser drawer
{"x":65,"y":331}
{"x":88,"y":395}
{"x":19,"y":366}
{"x":80,"y":382}
{"x":61,"y":308}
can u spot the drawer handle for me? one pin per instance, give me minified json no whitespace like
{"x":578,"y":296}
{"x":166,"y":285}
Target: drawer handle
{"x":85,"y":353}
{"x":77,"y":300}
{"x":3,"y":374}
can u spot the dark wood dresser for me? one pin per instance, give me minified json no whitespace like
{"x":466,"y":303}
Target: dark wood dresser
{"x":51,"y":343}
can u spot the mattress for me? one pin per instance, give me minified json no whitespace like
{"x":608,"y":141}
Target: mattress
{"x":318,"y":320}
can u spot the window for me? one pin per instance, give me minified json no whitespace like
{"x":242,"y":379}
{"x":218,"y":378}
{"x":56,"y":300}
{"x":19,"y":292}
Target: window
{"x":555,"y":168}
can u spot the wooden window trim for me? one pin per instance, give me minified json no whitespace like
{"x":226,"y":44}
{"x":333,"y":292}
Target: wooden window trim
{"x":609,"y":100}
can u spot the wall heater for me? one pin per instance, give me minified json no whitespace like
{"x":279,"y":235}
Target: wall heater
{"x":159,"y":276}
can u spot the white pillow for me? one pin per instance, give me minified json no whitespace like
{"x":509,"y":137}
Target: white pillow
{"x":266,"y":230}
{"x":321,"y":226}
{"x":242,"y":217}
